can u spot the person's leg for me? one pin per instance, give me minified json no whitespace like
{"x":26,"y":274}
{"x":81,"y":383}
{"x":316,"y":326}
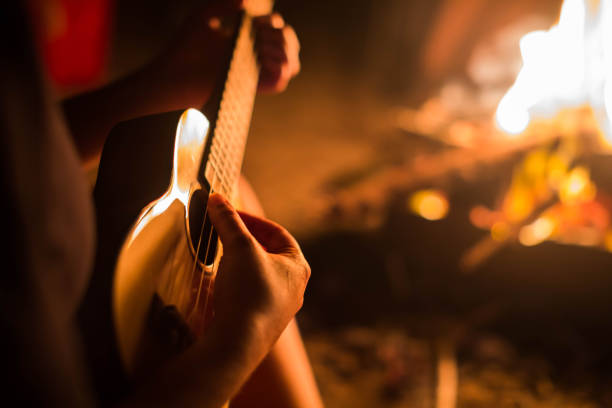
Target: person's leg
{"x":284,"y":379}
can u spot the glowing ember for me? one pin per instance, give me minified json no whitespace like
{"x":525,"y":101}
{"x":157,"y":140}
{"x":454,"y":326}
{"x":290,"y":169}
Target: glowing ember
{"x":500,"y":231}
{"x":429,"y":204}
{"x":577,"y":187}
{"x":568,"y":65}
{"x":563,"y":200}
{"x":537,"y":232}
{"x":608,"y":241}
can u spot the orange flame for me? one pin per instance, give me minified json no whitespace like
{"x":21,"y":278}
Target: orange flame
{"x":568,"y":65}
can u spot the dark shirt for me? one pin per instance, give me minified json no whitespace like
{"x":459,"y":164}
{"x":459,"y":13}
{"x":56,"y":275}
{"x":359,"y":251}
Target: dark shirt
{"x":48,"y":228}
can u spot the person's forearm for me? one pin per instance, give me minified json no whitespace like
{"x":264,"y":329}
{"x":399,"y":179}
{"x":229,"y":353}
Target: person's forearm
{"x":207,"y":375}
{"x":284,"y":378}
{"x":92,"y":115}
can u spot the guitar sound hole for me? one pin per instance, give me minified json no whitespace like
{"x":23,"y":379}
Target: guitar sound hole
{"x":203,"y":240}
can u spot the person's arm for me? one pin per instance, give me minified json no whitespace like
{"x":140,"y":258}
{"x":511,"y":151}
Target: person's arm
{"x":181,"y":77}
{"x":258,"y":290}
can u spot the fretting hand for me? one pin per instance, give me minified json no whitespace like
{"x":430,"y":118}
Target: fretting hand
{"x":189,"y":67}
{"x":184,"y":75}
{"x":278,"y":50}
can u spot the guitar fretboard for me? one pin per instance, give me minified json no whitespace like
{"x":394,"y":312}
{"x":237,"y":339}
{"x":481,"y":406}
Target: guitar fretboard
{"x":235,"y":110}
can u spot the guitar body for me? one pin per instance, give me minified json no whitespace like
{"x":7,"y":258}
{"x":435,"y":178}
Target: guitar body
{"x":148,"y":295}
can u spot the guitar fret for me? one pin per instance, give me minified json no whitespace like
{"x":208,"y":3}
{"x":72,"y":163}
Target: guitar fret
{"x":236,"y":108}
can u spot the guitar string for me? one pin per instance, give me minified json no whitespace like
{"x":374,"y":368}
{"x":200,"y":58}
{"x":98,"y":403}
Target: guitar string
{"x":197,"y":254}
{"x":202,"y":278}
{"x":208,"y":291}
{"x":210,"y":280}
{"x":203,"y":272}
{"x":207,"y":295}
{"x":209,"y":242}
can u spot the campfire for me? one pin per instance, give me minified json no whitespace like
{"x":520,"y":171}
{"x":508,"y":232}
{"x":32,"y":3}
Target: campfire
{"x":566,"y":75}
{"x":547,"y":110}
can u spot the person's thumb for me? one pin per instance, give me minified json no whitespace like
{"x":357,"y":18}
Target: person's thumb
{"x":233,"y":233}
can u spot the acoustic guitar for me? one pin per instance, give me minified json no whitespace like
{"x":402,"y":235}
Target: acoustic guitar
{"x":158,"y":254}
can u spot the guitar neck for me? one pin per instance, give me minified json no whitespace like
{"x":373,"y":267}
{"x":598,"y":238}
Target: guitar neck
{"x":232,"y":109}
